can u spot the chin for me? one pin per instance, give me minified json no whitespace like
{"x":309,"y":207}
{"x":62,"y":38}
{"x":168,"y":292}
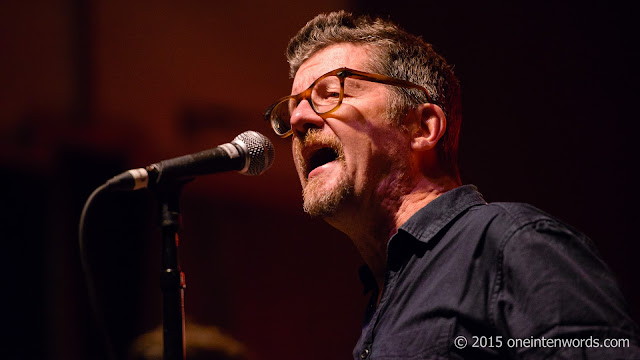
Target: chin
{"x":322,"y":198}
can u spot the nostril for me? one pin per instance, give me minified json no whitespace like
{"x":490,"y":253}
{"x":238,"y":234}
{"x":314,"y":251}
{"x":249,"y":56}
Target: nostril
{"x":309,"y":126}
{"x":301,"y":131}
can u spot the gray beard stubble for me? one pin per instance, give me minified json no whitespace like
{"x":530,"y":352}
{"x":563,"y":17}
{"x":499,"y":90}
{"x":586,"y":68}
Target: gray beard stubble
{"x":316,"y":201}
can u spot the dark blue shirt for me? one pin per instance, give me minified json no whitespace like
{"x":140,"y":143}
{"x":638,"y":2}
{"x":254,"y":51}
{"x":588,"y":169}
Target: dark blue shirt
{"x":471,"y":280}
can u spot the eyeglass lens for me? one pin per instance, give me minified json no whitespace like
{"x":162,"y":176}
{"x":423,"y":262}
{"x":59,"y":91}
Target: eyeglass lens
{"x":325,"y":96}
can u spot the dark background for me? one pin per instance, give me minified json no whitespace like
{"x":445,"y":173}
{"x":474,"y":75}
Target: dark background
{"x":92,"y":88}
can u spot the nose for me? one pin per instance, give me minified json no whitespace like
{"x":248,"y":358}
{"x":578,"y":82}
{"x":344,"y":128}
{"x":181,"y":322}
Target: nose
{"x":304,"y":119}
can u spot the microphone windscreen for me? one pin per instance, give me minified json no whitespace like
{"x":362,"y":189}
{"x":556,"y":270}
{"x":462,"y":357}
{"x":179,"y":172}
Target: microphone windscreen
{"x":260,"y":152}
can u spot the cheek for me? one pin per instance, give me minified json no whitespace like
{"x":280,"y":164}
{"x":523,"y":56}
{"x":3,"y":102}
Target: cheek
{"x":379,"y":153}
{"x":359,"y":158}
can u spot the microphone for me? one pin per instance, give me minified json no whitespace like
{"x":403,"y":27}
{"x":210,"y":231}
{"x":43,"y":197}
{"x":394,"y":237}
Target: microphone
{"x":250,"y":153}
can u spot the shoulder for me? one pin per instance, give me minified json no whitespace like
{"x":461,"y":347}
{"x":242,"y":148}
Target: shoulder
{"x":550,"y":279}
{"x":532,"y":245}
{"x":511,"y":214}
{"x":546,"y":277}
{"x":510,"y":224}
{"x":504,"y":224}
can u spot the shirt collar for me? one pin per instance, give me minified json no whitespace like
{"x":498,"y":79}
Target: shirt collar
{"x":432,"y":218}
{"x":429,"y":220}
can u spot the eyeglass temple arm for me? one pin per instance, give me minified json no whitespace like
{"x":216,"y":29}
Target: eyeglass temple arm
{"x":381,"y":79}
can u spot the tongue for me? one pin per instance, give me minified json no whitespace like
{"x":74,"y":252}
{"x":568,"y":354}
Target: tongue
{"x":318,"y":170}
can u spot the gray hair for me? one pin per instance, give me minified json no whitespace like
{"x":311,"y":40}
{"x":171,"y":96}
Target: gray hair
{"x":396,"y":53}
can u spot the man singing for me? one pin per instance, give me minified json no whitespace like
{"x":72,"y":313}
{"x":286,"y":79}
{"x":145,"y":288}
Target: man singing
{"x":374,"y":116}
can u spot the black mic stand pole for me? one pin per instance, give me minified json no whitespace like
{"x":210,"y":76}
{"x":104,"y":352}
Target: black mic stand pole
{"x":172,"y":278}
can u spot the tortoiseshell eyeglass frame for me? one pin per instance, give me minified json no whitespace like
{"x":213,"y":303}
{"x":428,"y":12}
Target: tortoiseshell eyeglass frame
{"x":342,"y":74}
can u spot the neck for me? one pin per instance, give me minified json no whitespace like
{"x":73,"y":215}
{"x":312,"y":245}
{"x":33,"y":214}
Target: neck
{"x":370,"y":223}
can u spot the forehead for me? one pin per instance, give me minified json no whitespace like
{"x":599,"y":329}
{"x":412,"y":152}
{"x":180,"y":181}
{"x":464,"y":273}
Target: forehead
{"x":355,"y":57}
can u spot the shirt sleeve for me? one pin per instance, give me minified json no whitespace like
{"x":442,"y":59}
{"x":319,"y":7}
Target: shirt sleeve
{"x":555,"y":298}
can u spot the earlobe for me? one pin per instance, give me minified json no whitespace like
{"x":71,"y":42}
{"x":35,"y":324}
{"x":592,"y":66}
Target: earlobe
{"x":430,"y":125}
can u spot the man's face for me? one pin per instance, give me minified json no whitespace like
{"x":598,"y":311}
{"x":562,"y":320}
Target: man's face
{"x":351,"y":156}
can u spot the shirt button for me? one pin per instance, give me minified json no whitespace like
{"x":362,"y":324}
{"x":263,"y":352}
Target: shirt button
{"x":364,"y":354}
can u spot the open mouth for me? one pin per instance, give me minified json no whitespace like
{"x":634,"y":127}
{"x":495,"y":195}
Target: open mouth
{"x":320,"y":157}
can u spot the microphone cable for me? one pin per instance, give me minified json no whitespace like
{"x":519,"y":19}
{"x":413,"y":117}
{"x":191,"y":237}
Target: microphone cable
{"x":96,"y":309}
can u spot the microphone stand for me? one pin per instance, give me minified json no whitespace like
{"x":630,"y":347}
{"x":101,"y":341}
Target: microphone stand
{"x":172,"y":279}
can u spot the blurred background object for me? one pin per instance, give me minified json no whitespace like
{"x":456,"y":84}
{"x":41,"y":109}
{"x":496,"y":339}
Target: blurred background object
{"x":89,"y":89}
{"x":203,"y":343}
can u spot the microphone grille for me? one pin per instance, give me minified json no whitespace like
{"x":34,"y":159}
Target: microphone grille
{"x":260,"y":152}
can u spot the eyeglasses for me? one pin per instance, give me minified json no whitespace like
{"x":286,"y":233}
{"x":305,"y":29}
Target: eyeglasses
{"x":325,"y":96}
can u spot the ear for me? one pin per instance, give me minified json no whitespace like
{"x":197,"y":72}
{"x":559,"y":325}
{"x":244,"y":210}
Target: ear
{"x":429,"y":126}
